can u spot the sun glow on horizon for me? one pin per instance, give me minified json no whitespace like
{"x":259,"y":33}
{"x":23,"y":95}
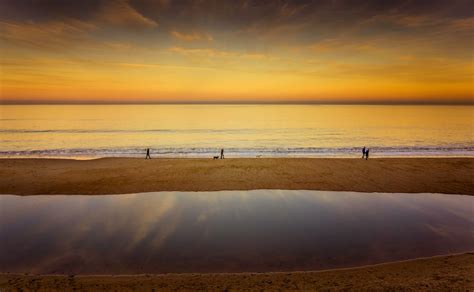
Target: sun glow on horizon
{"x":235,"y":51}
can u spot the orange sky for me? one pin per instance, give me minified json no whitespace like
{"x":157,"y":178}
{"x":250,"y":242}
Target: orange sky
{"x":236,"y":51}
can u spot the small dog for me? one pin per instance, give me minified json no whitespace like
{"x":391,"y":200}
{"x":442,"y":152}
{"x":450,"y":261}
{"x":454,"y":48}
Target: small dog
{"x":216,"y":157}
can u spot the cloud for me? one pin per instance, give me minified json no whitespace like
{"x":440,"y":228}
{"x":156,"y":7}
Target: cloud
{"x":215,"y":53}
{"x":59,"y":32}
{"x":194,"y":36}
{"x":48,"y":10}
{"x":464,"y":24}
{"x":341,"y":44}
{"x":202,"y":52}
{"x":120,"y":13}
{"x":402,"y":41}
{"x":113,"y":12}
{"x":52,"y":34}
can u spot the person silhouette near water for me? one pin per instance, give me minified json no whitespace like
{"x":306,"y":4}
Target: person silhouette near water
{"x":148,"y":154}
{"x":367,"y":154}
{"x":363,"y":152}
{"x":222,"y":153}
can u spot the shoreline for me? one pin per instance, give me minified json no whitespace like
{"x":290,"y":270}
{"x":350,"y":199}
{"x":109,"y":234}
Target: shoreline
{"x":209,"y":156}
{"x":243,"y":157}
{"x":469,"y":252}
{"x":438,"y":272}
{"x":133,"y":175}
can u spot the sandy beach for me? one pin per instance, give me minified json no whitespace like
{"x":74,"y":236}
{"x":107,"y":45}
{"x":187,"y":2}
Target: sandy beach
{"x":132,"y":175}
{"x":444,"y":273}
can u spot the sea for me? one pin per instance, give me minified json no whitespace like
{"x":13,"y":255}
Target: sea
{"x":93,"y":131}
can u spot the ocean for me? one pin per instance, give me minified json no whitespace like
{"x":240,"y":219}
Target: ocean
{"x":91,"y":131}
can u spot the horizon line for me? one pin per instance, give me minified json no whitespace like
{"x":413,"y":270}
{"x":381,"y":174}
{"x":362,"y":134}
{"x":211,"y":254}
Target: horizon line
{"x":234,"y":102}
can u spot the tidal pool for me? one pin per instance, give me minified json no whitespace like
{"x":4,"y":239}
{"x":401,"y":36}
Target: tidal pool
{"x":227,"y":231}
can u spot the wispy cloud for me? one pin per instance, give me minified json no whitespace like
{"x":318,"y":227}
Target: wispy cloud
{"x":67,"y":32}
{"x":464,"y":24}
{"x":52,"y":34}
{"x":193,"y":36}
{"x":119,"y":12}
{"x":202,"y":52}
{"x":341,"y":44}
{"x":216,"y":53}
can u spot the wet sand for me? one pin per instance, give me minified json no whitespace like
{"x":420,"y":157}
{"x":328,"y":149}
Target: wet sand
{"x":132,"y":175}
{"x":445,"y":273}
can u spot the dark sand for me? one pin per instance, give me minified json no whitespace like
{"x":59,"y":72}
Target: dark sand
{"x":445,"y":273}
{"x":132,"y":175}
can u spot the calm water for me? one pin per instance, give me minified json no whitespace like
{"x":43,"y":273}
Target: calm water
{"x":243,"y":130}
{"x":227,"y":231}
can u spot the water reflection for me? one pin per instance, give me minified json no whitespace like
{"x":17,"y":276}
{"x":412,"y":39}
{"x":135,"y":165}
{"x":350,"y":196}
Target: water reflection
{"x":227,"y":231}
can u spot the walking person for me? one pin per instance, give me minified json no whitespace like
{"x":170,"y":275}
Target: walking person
{"x":222,"y":153}
{"x":363,"y":152}
{"x":367,"y":154}
{"x":148,"y":154}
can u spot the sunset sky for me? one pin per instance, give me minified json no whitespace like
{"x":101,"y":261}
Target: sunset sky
{"x":236,"y":51}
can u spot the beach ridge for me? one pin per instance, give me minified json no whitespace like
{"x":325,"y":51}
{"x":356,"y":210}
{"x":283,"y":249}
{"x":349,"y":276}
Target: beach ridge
{"x":136,"y":175}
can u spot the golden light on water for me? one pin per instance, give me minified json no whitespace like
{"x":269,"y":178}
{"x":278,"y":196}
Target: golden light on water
{"x":36,"y":127}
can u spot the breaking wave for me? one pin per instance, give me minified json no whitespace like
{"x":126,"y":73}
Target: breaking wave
{"x":246,"y":152}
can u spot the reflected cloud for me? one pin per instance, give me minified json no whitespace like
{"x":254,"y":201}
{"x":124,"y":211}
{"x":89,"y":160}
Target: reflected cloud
{"x":266,"y":230}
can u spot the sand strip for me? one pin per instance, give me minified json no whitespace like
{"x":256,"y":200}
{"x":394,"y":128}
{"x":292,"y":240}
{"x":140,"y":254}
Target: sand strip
{"x":132,"y":175}
{"x":445,"y":273}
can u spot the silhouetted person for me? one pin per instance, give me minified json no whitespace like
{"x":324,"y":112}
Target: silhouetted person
{"x":363,"y":152}
{"x":222,"y":153}
{"x":367,"y":154}
{"x":148,"y":154}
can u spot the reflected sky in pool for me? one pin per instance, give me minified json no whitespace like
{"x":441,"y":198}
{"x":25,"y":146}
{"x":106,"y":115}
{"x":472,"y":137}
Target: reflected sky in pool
{"x":227,"y":231}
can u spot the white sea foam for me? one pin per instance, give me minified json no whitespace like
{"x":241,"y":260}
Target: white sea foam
{"x":466,"y":151}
